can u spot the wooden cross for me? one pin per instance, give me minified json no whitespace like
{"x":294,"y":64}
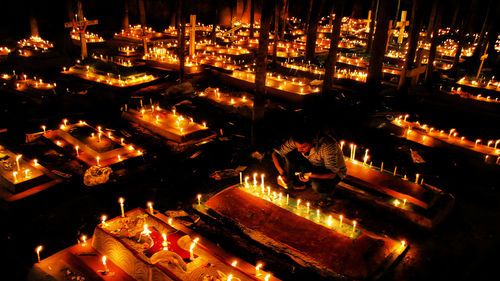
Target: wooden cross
{"x":369,"y":20}
{"x":192,"y":33}
{"x":483,"y":57}
{"x":80,"y":24}
{"x":401,"y":25}
{"x":389,"y":35}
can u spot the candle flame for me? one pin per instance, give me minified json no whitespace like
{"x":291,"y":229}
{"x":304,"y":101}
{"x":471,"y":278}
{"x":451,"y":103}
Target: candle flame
{"x":39,"y":249}
{"x":121,"y":200}
{"x":104,"y":260}
{"x":234,"y":263}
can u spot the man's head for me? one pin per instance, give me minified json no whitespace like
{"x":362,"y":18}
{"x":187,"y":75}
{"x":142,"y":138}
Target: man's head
{"x":303,"y":139}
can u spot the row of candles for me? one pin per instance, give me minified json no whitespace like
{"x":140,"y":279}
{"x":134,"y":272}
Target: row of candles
{"x":35,"y":42}
{"x":89,"y":37}
{"x":219,"y":97}
{"x":490,"y":147}
{"x":90,"y":73}
{"x":34,"y":82}
{"x":490,"y":84}
{"x":19,"y":174}
{"x":478,"y":97}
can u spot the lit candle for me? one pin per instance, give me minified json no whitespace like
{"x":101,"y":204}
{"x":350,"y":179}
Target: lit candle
{"x":106,"y":269}
{"x":246,"y":181}
{"x":287,"y":198}
{"x":18,"y":157}
{"x":496,"y":143}
{"x":165,"y":241}
{"x":234,"y":263}
{"x":150,"y":205}
{"x":307,"y":204}
{"x":191,"y":251}
{"x":199,"y":199}
{"x":330,"y":221}
{"x":241,"y":178}
{"x":65,"y":121}
{"x":353,"y":228}
{"x":255,"y":179}
{"x":382,"y":167}
{"x":14,"y":174}
{"x":298,"y":204}
{"x":77,"y":153}
{"x":121,"y":141}
{"x":366,"y":156}
{"x":395,"y":169}
{"x":262,"y":179}
{"x":43,"y":127}
{"x":121,"y":200}
{"x":38,"y":250}
{"x":99,"y":137}
{"x":84,"y":240}
{"x":267,"y":277}
{"x":97,"y":158}
{"x":35,"y":162}
{"x":404,"y":202}
{"x":103,"y":220}
{"x":477,"y":142}
{"x":340,"y":223}
{"x":257,"y":269}
{"x":26,"y":173}
{"x":341,"y":145}
{"x":416,"y":178}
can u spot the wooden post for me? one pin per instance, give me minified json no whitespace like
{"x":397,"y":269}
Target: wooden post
{"x":80,"y":24}
{"x":389,"y":36}
{"x":192,"y":33}
{"x":483,"y":57}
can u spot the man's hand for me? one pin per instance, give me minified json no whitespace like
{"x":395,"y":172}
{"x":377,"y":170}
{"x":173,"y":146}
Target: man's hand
{"x":304,"y":177}
{"x":282,"y":181}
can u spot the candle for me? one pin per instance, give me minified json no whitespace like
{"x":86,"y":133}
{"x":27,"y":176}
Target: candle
{"x":246,"y":181}
{"x":97,"y":158}
{"x":26,"y":173}
{"x":121,"y":200}
{"x":317,"y":213}
{"x":382,"y":167}
{"x":395,"y":169}
{"x":77,"y":153}
{"x":99,"y":137}
{"x":229,"y":277}
{"x":43,"y":127}
{"x":340,"y":223}
{"x":477,"y":142}
{"x":234,"y":263}
{"x":103,"y":220}
{"x":121,"y":141}
{"x":330,"y":221}
{"x":496,"y":143}
{"x":353,"y":228}
{"x":165,"y":242}
{"x":254,"y":179}
{"x":262,"y":179}
{"x":341,"y":145}
{"x":354,"y":153}
{"x":18,"y":157}
{"x":257,"y":269}
{"x":287,"y":198}
{"x":279,"y":198}
{"x":403,"y":243}
{"x":191,"y":253}
{"x":416,"y":178}
{"x":241,"y":178}
{"x":84,"y":240}
{"x":35,"y":162}
{"x":307,"y":204}
{"x":14,"y":174}
{"x":106,"y":269}
{"x":150,"y":205}
{"x":404,"y":202}
{"x":267,"y":277}
{"x":65,"y":121}
{"x":38,"y":250}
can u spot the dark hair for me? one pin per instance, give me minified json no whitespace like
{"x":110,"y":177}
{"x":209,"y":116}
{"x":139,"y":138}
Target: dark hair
{"x":303,"y":135}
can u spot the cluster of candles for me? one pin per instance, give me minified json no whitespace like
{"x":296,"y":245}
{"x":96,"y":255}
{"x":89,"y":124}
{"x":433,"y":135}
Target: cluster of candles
{"x":138,"y":32}
{"x":115,"y":60}
{"x":216,"y":95}
{"x":4,"y":51}
{"x":65,"y":126}
{"x":175,"y":119}
{"x":21,"y":173}
{"x":23,"y":81}
{"x":89,"y":37}
{"x":36,"y":43}
{"x":490,"y":148}
{"x":91,"y":74}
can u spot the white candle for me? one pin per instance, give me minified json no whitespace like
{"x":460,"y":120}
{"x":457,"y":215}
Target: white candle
{"x":382,"y":167}
{"x":38,"y":250}
{"x":14,"y":174}
{"x":106,"y":269}
{"x":262,"y":179}
{"x":298,"y":204}
{"x":287,"y":198}
{"x":165,"y":241}
{"x":416,"y":178}
{"x":18,"y":157}
{"x":26,"y":173}
{"x":241,"y":178}
{"x":191,"y":253}
{"x":97,"y":158}
{"x":307,"y":204}
{"x":103,"y":220}
{"x":43,"y":127}
{"x":340,"y":223}
{"x":257,"y":269}
{"x":395,"y":169}
{"x":353,"y":228}
{"x":404,"y":202}
{"x":84,"y":240}
{"x":246,"y":181}
{"x":150,"y":205}
{"x":35,"y":162}
{"x":330,"y":221}
{"x":255,"y":179}
{"x":121,"y":200}
{"x":77,"y":153}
